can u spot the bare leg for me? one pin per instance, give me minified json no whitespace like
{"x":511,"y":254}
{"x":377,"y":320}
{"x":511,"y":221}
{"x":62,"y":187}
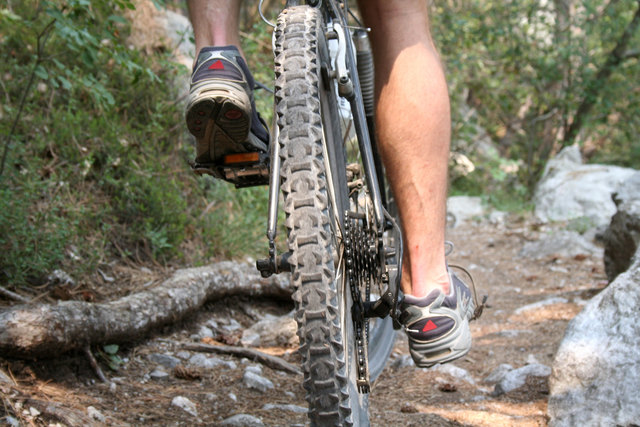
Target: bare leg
{"x":215,"y":22}
{"x":413,"y":124}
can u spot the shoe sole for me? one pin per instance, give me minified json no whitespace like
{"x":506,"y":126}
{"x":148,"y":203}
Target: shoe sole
{"x":219,"y":117}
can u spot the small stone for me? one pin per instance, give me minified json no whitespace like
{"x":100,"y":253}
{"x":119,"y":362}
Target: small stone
{"x":33,"y":412}
{"x":232,"y":326}
{"x":184,"y":355}
{"x":256,"y":382}
{"x":60,"y":277}
{"x":202,"y":361}
{"x":159,"y":374}
{"x":233,"y":397}
{"x":211,"y":323}
{"x":205,"y":332}
{"x":292,"y":408}
{"x":243,"y":420}
{"x":256,"y":369}
{"x":455,"y":372}
{"x":165,"y":360}
{"x":12,"y":421}
{"x":518,"y":377}
{"x":185,"y":404}
{"x":96,"y":415}
{"x":498,"y":374}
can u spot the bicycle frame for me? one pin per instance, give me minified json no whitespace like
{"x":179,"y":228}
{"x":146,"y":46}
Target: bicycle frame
{"x":346,"y":73}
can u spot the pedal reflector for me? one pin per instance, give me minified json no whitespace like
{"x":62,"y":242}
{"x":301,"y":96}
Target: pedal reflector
{"x":241,"y":158}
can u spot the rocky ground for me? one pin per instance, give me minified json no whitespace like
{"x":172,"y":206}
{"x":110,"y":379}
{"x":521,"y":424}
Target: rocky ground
{"x":503,"y":380}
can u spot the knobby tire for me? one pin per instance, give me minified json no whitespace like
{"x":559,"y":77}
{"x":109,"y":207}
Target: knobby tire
{"x":304,"y":107}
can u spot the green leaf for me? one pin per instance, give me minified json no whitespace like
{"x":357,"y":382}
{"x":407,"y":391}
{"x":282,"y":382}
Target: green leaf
{"x":111,"y":349}
{"x":41,"y":72}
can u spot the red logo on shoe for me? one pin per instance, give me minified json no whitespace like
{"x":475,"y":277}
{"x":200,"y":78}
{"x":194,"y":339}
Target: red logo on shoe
{"x":218,"y":65}
{"x":430,"y":326}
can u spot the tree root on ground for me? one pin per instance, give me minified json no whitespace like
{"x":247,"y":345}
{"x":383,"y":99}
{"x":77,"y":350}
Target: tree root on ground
{"x":45,"y":330}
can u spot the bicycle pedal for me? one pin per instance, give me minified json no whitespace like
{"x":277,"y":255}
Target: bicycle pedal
{"x":241,"y":169}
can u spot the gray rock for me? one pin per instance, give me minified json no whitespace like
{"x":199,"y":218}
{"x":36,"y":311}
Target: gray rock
{"x":165,"y":360}
{"x":499,"y":373}
{"x":96,"y":415}
{"x":232,"y":325}
{"x":569,"y":189}
{"x":256,"y":369}
{"x":60,"y":277}
{"x":291,"y":408}
{"x":622,"y":237}
{"x":202,"y":361}
{"x":517,"y":378}
{"x":455,"y":372}
{"x":185,"y":404}
{"x":211,"y":323}
{"x":159,"y":374}
{"x":184,"y":355}
{"x":256,"y":382}
{"x":596,"y":371}
{"x":563,"y":243}
{"x":205,"y":332}
{"x":464,"y":208}
{"x":271,"y":331}
{"x":243,"y":420}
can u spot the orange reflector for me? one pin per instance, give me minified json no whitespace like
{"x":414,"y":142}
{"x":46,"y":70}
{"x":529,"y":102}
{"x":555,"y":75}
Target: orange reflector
{"x":230,"y":159}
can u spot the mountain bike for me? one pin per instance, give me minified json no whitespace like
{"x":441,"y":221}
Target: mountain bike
{"x":345,"y":245}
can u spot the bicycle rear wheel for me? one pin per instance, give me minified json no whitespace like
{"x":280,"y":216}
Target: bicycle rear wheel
{"x":316,"y":196}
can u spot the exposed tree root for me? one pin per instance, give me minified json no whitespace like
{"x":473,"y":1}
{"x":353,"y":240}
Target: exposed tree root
{"x":45,"y":330}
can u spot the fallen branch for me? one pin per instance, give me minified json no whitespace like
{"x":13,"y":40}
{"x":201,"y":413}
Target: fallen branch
{"x":273,"y":362}
{"x":94,"y":364}
{"x":12,"y":295}
{"x":43,"y":330}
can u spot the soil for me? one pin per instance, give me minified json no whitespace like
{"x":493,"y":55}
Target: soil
{"x":402,"y":396}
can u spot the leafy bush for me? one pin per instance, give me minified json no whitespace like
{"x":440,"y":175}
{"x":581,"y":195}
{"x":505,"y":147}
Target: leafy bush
{"x":95,"y":159}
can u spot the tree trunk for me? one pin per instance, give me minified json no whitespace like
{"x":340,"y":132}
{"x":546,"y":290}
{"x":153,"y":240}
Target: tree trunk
{"x":50,"y":330}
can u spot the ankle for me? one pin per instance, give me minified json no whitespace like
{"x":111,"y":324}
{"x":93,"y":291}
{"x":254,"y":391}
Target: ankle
{"x":440,"y":282}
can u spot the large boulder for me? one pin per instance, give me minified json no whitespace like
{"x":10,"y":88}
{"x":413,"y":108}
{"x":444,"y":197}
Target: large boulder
{"x":570,"y":189}
{"x":596,"y":373}
{"x":623,"y":235}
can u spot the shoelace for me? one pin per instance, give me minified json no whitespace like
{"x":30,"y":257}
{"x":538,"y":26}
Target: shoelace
{"x":479,"y":306}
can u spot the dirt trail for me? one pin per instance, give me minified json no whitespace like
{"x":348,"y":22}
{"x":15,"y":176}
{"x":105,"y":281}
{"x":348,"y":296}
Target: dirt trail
{"x":402,"y":396}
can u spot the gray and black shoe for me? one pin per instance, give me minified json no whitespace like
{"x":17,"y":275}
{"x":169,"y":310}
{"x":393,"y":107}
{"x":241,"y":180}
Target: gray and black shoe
{"x":438,"y":325}
{"x":221,"y":113}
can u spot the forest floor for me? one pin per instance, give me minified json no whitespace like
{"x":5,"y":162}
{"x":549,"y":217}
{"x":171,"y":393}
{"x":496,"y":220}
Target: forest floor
{"x":531,"y":301}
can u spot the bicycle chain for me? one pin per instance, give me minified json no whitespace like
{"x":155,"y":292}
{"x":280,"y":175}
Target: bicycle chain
{"x":363,"y":269}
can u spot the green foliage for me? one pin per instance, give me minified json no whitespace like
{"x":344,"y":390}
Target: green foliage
{"x":96,"y":165}
{"x":541,"y":75}
{"x":109,"y":355}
